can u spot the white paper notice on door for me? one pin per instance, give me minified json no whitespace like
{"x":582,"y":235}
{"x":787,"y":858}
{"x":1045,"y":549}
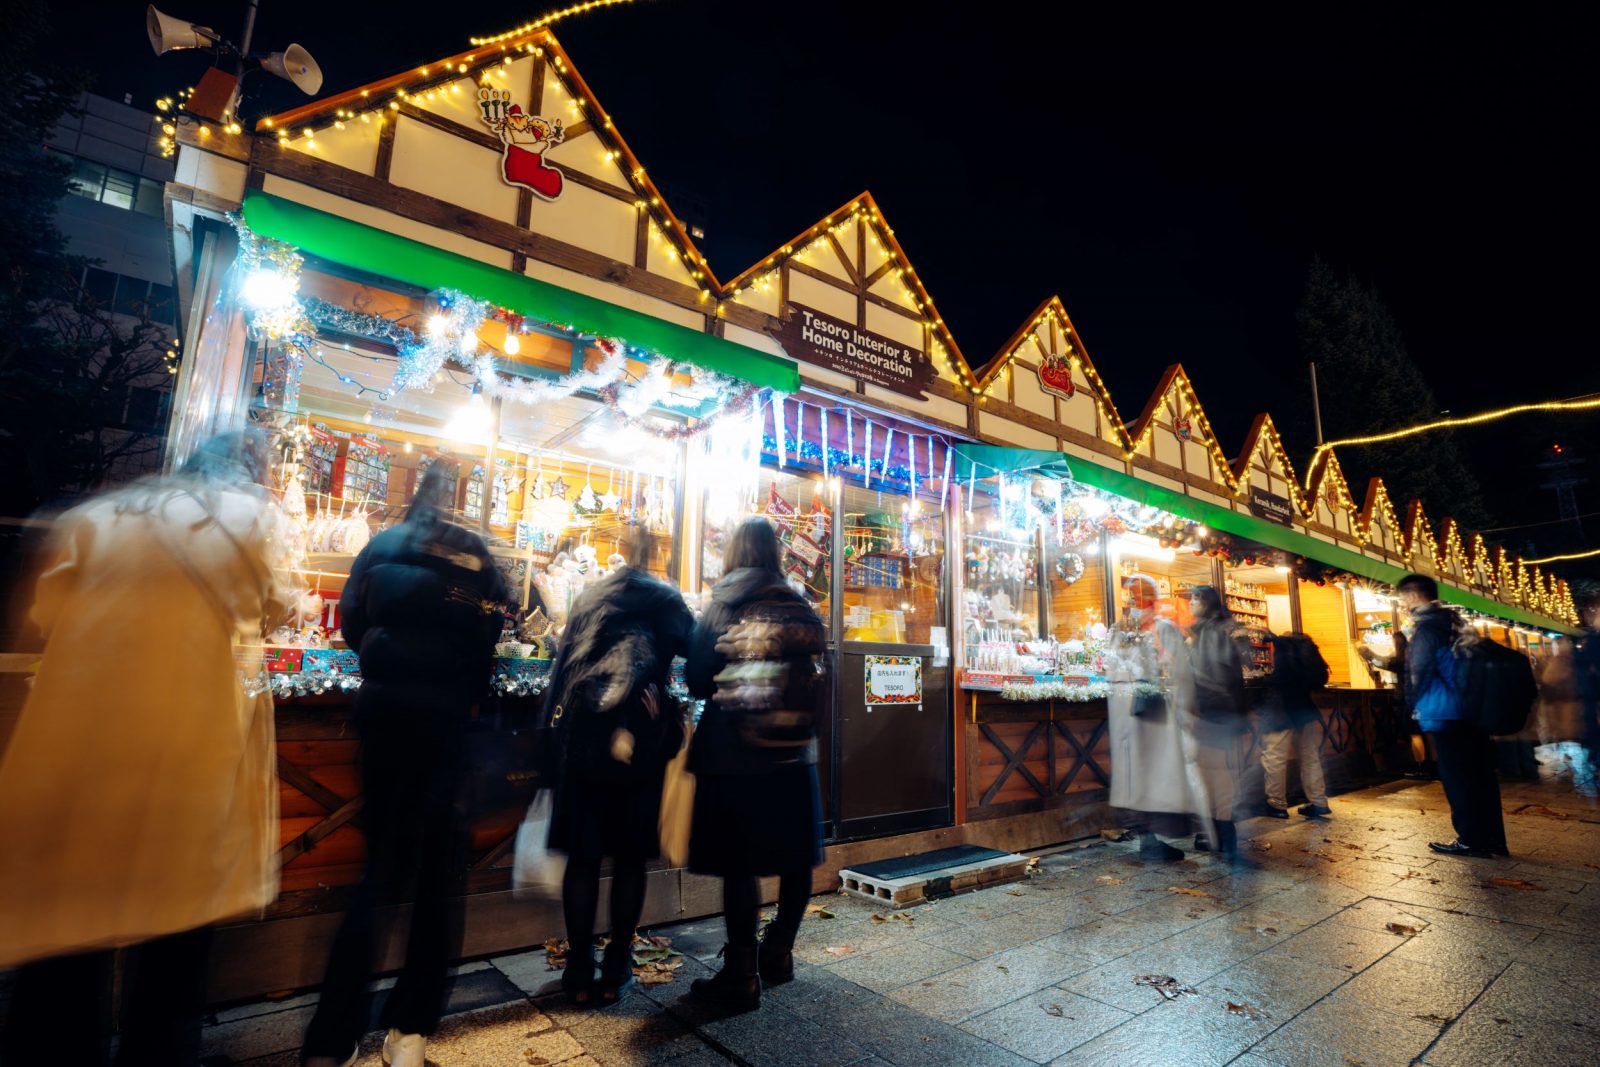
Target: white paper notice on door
{"x":894,"y":680}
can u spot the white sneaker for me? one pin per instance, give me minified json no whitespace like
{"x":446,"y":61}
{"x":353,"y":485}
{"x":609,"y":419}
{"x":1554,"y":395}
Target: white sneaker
{"x":404,"y":1050}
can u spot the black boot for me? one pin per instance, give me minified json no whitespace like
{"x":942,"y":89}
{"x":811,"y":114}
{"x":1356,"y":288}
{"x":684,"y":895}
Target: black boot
{"x":735,"y":987}
{"x":1153,"y":848}
{"x":1227,"y":839}
{"x":775,"y":958}
{"x":616,"y":969}
{"x":577,"y":980}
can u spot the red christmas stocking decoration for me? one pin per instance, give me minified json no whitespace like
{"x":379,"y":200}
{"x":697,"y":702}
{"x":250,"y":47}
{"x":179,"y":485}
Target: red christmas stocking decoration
{"x":529,"y":169}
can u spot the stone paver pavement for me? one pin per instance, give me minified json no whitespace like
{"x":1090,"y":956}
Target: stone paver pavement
{"x":1344,"y":942}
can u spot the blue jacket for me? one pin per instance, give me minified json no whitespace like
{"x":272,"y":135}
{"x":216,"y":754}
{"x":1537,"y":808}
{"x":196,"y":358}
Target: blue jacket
{"x":1430,"y":695}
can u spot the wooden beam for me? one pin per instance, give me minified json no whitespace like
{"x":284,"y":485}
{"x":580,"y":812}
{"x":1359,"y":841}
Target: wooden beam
{"x":877,"y":275}
{"x":519,"y":260}
{"x":385,"y":161}
{"x":431,"y":211}
{"x":297,"y":776}
{"x":844,"y":259}
{"x":308,"y":840}
{"x":641,"y":240}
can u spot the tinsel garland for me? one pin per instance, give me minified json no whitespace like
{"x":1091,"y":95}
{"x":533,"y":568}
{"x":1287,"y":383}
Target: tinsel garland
{"x":358,"y":324}
{"x":738,"y":404}
{"x":1079,"y":693}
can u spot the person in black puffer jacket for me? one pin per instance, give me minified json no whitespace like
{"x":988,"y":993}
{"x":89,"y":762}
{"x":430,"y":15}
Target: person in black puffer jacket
{"x":423,"y":607}
{"x":1218,"y":662}
{"x":616,"y":729}
{"x":756,"y":659}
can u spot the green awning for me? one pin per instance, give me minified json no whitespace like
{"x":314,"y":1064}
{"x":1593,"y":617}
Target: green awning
{"x":353,"y":244}
{"x":993,"y":459}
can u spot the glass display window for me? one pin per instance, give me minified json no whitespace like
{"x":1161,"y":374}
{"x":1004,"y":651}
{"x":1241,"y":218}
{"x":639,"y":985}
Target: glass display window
{"x":1001,"y":598}
{"x":796,"y":505}
{"x":1175,"y":571}
{"x":1075,"y":585}
{"x":893,"y":582}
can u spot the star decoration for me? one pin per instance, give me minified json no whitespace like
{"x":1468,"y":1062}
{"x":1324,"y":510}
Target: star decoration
{"x":610,"y":501}
{"x":558,"y":489}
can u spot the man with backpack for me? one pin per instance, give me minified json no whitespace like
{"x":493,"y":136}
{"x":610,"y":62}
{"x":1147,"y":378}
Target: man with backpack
{"x":1289,"y":719}
{"x":1447,"y":690}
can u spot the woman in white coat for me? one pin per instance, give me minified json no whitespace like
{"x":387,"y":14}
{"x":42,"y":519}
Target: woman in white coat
{"x":138,"y":801}
{"x":1154,"y":780}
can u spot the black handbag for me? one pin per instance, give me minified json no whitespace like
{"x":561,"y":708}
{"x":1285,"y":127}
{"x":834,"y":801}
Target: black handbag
{"x":1151,"y":707}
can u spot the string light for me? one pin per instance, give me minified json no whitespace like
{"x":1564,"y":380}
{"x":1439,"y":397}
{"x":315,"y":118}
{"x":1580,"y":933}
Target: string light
{"x":1465,"y":420}
{"x":1366,"y":525}
{"x":1558,"y":559}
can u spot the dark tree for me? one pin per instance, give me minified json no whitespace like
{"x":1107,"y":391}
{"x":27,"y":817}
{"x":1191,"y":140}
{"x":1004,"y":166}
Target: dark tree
{"x":75,"y":378}
{"x":1369,"y":384}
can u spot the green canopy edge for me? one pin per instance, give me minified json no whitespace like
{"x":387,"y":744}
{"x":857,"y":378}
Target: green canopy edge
{"x":353,"y":244}
{"x":993,"y":458}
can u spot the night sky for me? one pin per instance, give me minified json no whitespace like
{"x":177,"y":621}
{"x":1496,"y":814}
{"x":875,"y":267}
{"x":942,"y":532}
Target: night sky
{"x":1170,"y":175}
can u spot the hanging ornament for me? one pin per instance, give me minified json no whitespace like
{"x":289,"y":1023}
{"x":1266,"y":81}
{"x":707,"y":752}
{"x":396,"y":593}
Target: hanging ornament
{"x":944,"y":488}
{"x":868,"y":456}
{"x":610,"y":501}
{"x":558,"y":489}
{"x":849,"y":438}
{"x":777,"y":425}
{"x":799,"y":429}
{"x":822,"y":414}
{"x":1069,"y":567}
{"x":586,"y":498}
{"x":888,"y":443}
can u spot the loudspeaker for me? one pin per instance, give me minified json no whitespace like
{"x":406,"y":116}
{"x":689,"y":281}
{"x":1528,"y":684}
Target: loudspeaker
{"x":168,"y":34}
{"x":295,"y":65}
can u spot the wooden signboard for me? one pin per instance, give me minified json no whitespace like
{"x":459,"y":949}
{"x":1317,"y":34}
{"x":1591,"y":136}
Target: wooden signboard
{"x":1271,"y":506}
{"x":837,"y":345}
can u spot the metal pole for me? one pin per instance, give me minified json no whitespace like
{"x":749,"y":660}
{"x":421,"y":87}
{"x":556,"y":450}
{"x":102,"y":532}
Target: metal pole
{"x":1316,"y":404}
{"x":250,"y":31}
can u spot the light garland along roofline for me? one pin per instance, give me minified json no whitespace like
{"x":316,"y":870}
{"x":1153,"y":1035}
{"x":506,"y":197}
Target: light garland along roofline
{"x":385,"y":96}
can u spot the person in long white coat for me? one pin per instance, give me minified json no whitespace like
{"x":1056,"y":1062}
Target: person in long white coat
{"x":1150,"y":712}
{"x":138,"y":800}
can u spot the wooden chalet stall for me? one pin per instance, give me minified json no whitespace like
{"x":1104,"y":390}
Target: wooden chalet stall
{"x":466,"y":261}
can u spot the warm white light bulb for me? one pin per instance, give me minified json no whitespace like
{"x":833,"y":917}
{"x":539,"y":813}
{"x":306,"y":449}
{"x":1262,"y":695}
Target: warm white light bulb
{"x":265,"y":289}
{"x":513,"y":346}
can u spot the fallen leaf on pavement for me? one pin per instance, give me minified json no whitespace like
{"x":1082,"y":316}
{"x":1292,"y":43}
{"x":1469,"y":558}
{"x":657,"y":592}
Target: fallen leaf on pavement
{"x":1015,"y":893}
{"x":1249,"y":1011}
{"x":879,"y":918}
{"x":1261,"y":846}
{"x":839,"y":950}
{"x":1515,"y":883}
{"x":1055,"y":1011}
{"x":1437,"y":1020}
{"x":1115,"y":835}
{"x":818,"y":911}
{"x":1266,"y":929}
{"x":1168,"y":986}
{"x":1540,"y":809}
{"x":1351,"y":845}
{"x":555,"y":954}
{"x":532,"y":1059}
{"x":1186,"y":891}
{"x":1106,"y":879}
{"x":1002,"y":968}
{"x":1400,"y":929}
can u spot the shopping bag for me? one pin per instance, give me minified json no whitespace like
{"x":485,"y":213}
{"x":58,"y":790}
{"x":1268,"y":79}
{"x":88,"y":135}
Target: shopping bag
{"x":677,"y":809}
{"x":536,"y":871}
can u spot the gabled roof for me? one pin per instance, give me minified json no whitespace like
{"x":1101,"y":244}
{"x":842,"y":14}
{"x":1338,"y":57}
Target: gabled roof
{"x":1263,"y":429}
{"x":1052,"y":309}
{"x":1176,"y":377}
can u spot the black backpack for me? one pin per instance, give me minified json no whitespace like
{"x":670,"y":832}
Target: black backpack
{"x":1496,"y":685}
{"x":1306,"y":666}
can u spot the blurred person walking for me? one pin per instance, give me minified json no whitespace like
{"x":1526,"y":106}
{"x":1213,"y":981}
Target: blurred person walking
{"x":757,"y":659}
{"x":616,"y":729}
{"x":1151,"y":706}
{"x":1219,"y":712}
{"x":1465,"y":753}
{"x":1586,"y":680}
{"x":1290,"y":722}
{"x":422,"y":608}
{"x":138,"y":800}
{"x":1559,"y":716}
